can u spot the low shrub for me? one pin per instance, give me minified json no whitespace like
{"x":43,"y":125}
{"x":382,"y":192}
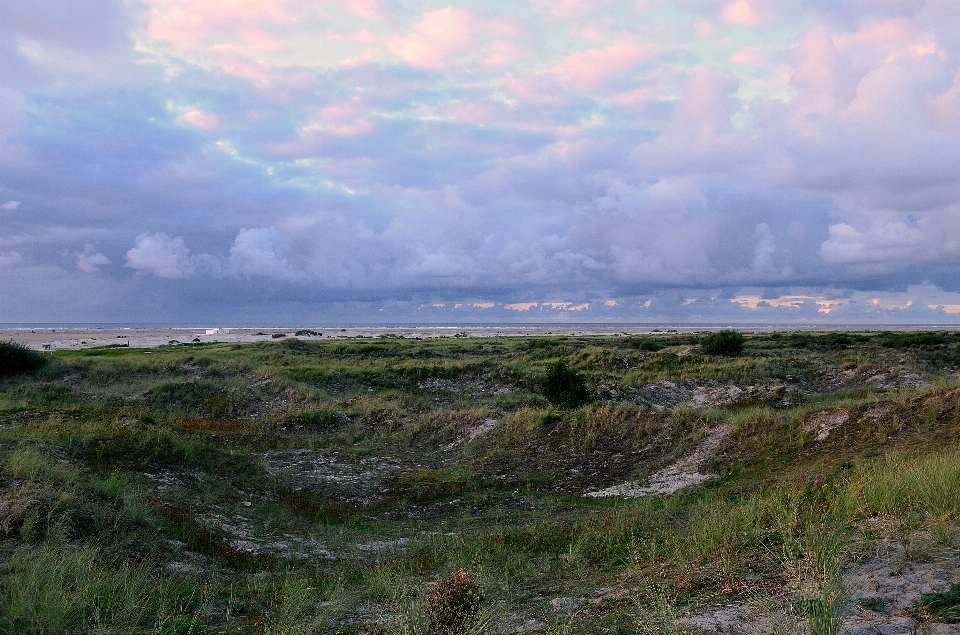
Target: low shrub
{"x":452,"y":604}
{"x":645,"y":344}
{"x":726,"y":342}
{"x":15,"y":358}
{"x":911,"y":340}
{"x":836,"y":341}
{"x":564,"y":386}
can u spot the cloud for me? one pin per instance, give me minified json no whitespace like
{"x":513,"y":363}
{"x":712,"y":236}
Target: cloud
{"x":90,"y":262}
{"x":741,"y":12}
{"x":943,"y":110}
{"x":438,"y":34}
{"x":701,"y":136}
{"x":201,"y":120}
{"x":9,"y":260}
{"x":367,"y":9}
{"x":162,"y":256}
{"x":261,"y":252}
{"x":60,"y":44}
{"x":576,"y":150}
{"x":594,"y":68}
{"x":764,"y":253}
{"x":889,"y":243}
{"x":193,"y":24}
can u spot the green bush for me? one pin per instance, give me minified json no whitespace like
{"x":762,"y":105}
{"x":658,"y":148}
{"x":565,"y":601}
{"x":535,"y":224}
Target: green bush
{"x":645,"y":344}
{"x":911,"y":340}
{"x":726,"y":342}
{"x":16,"y":358}
{"x":564,"y":386}
{"x":836,"y":341}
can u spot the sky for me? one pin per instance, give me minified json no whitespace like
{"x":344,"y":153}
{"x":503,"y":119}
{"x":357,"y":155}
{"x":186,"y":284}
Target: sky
{"x":779,"y":161}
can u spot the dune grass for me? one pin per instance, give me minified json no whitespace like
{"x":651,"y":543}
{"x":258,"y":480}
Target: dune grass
{"x":305,"y":486}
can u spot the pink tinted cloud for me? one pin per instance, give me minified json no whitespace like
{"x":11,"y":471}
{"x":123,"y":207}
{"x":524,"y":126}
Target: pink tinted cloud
{"x":360,"y":60}
{"x":701,"y":136}
{"x":437,"y":35}
{"x":706,"y":104}
{"x":204,"y":23}
{"x":820,"y":73}
{"x":506,"y":37}
{"x":363,"y":36}
{"x":233,"y":62}
{"x":887,"y":31}
{"x":503,"y":53}
{"x":748,"y":56}
{"x":943,"y":110}
{"x":638,"y":96}
{"x":367,"y":9}
{"x":201,"y":120}
{"x":592,"y":69}
{"x":536,"y":88}
{"x":742,"y":12}
{"x":569,"y":9}
{"x":478,"y":112}
{"x":879,"y":42}
{"x":838,"y":70}
{"x":347,"y":118}
{"x":703,"y":28}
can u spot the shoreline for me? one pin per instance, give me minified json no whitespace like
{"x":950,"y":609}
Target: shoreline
{"x":78,"y":338}
{"x":84,"y":338}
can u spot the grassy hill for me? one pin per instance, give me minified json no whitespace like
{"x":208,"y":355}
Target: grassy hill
{"x":808,"y":483}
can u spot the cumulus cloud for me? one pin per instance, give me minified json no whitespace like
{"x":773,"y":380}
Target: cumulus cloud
{"x":261,"y":252}
{"x":162,"y":256}
{"x":10,"y":206}
{"x":90,"y":261}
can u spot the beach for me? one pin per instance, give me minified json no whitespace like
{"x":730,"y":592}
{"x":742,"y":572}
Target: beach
{"x":80,"y":338}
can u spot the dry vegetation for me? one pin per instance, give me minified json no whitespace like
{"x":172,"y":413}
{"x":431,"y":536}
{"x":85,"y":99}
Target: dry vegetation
{"x":808,"y":484}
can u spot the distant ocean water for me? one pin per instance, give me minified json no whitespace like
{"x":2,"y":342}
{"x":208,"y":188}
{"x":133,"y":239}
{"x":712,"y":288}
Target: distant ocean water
{"x":345,"y":324}
{"x":533,"y":326}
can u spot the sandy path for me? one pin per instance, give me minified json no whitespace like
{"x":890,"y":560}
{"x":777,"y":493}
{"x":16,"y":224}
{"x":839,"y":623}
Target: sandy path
{"x":683,"y":473}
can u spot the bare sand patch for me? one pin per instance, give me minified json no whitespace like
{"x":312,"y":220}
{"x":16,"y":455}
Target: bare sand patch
{"x":683,"y":473}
